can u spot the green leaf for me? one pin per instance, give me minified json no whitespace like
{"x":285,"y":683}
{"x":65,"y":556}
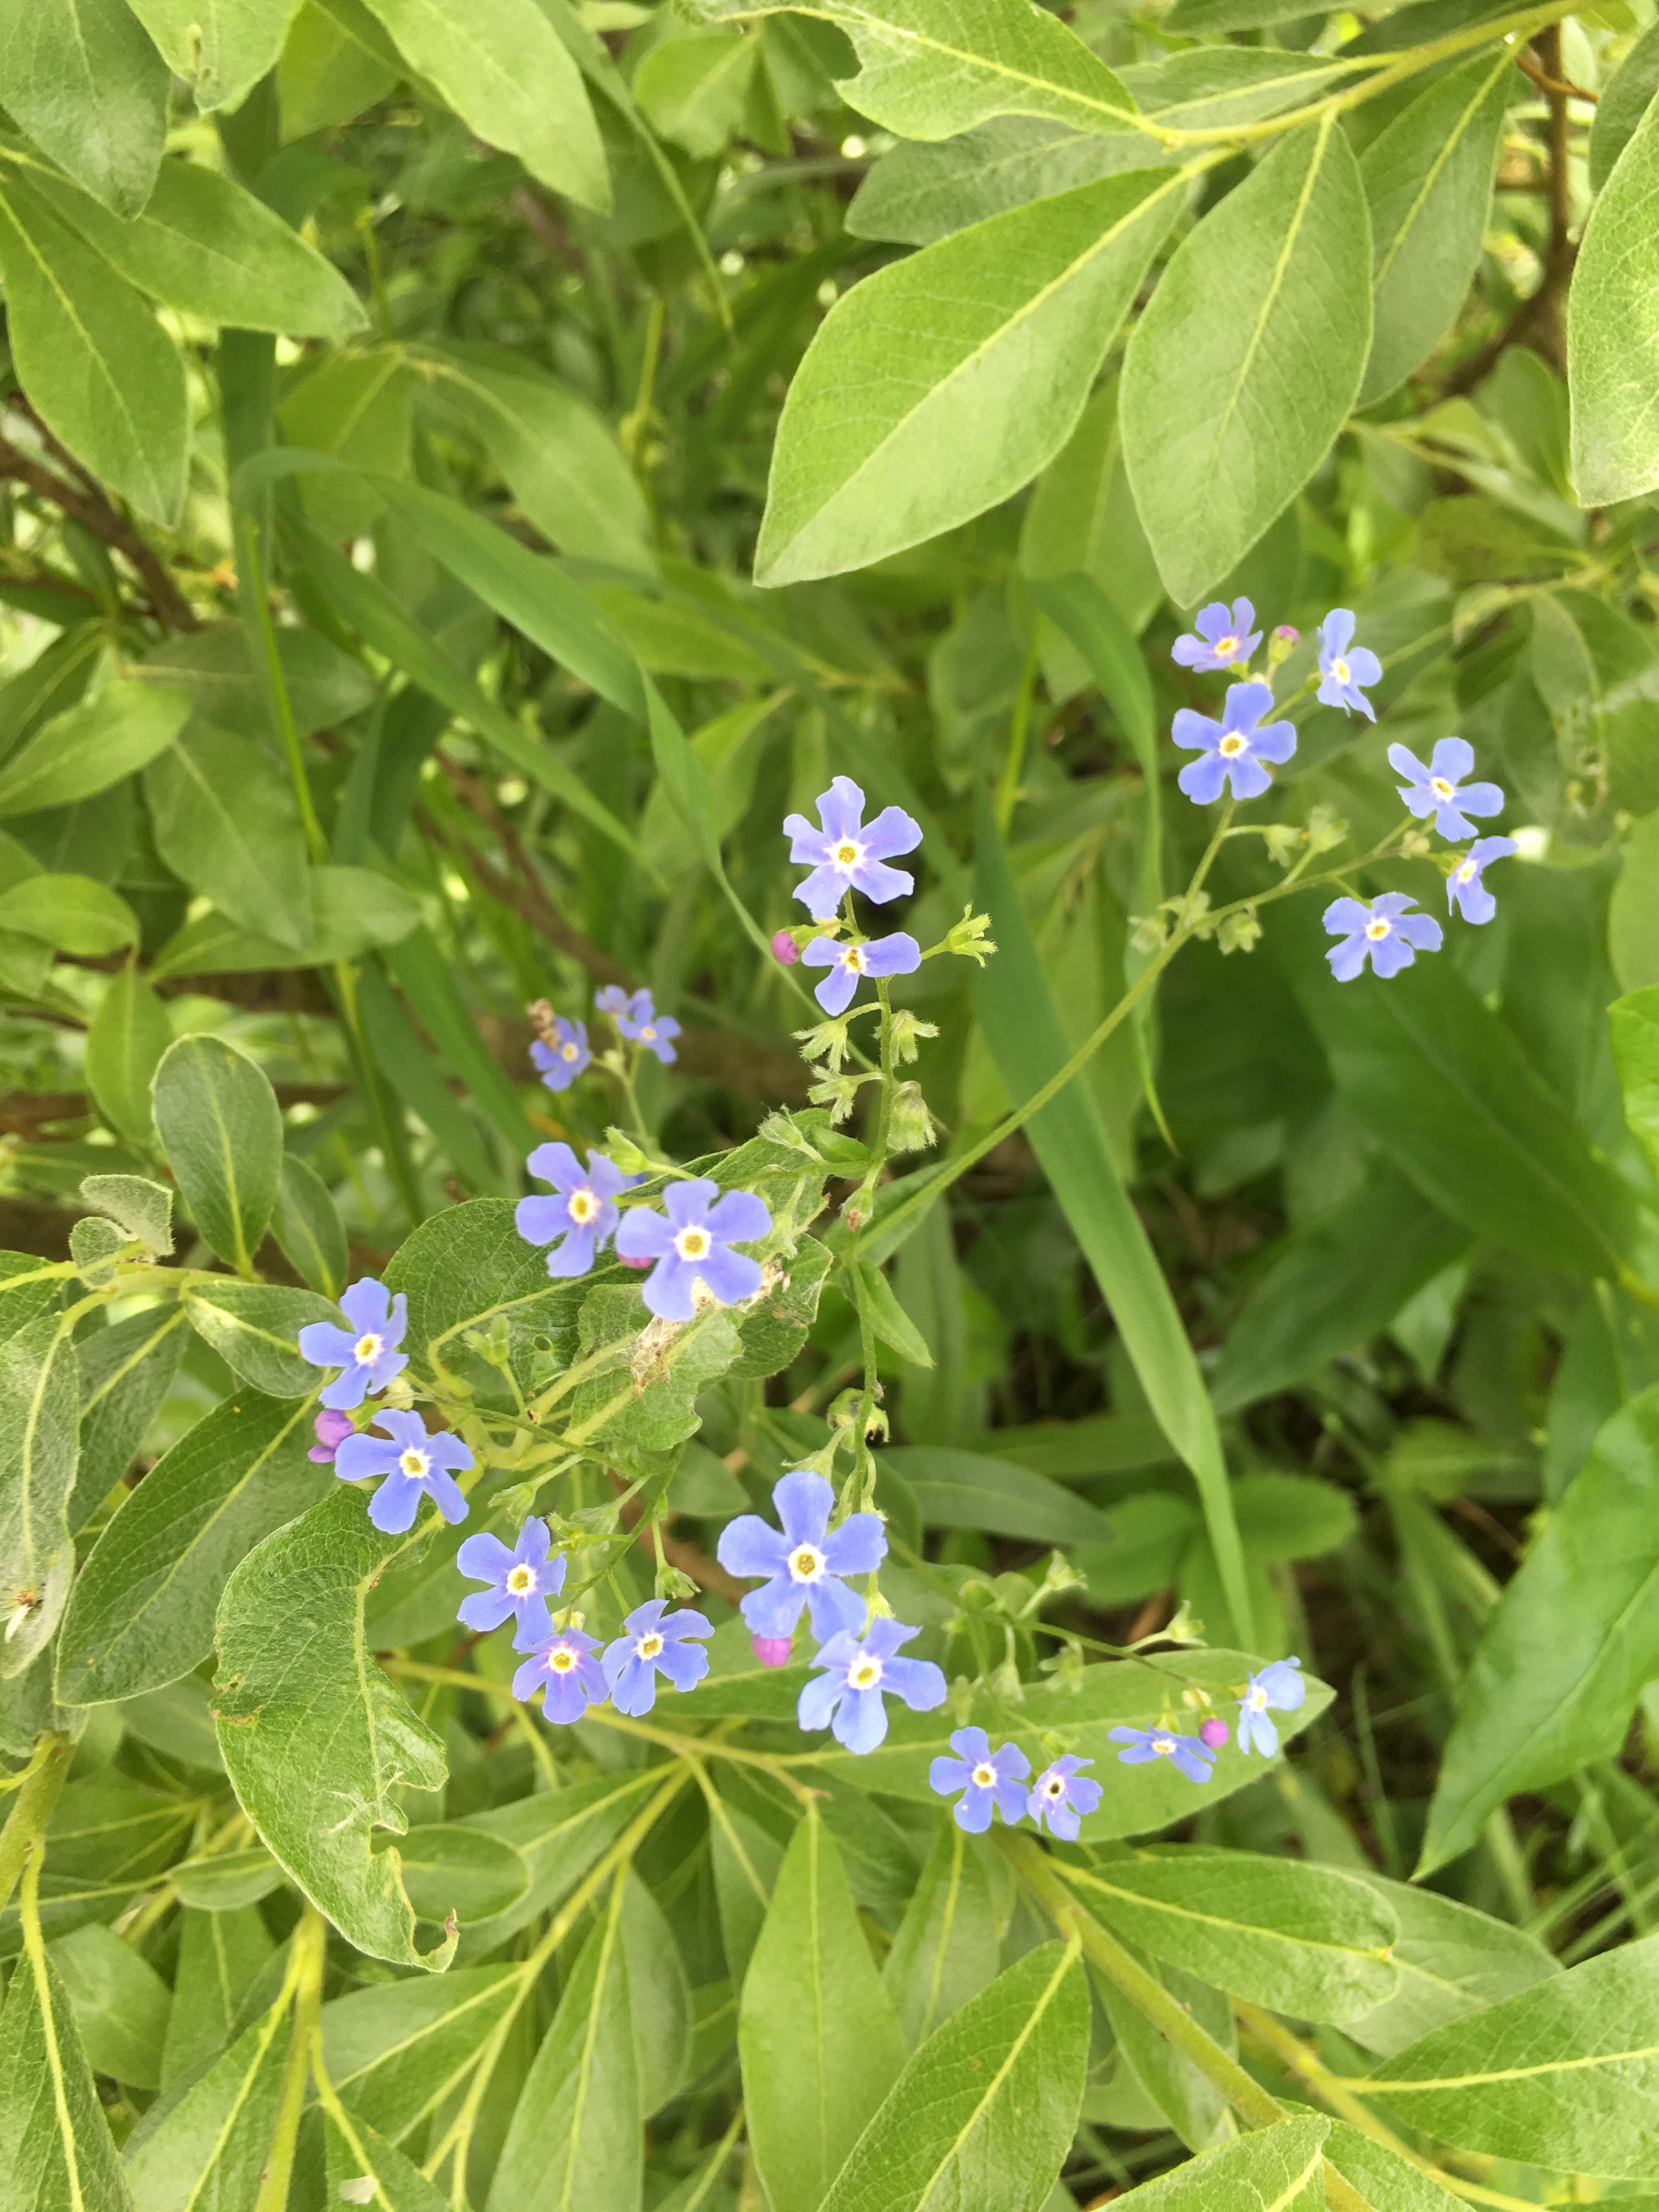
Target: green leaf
{"x":222,"y":1129}
{"x":58,"y":2151}
{"x":1634,"y":910}
{"x":971,"y":1490}
{"x":107,"y":1838}
{"x":1247,"y":361}
{"x":296,"y":1670}
{"x":504,"y":70}
{"x":87,"y":85}
{"x":1625,"y":99}
{"x":1429,"y":179}
{"x":419,"y":1077}
{"x":1613,"y":329}
{"x":254,"y":1328}
{"x":427,"y":980}
{"x":206,"y":246}
{"x":947,"y":1946}
{"x":358,"y":409}
{"x":1188,"y":2099}
{"x":221,"y":1955}
{"x":307,"y":1227}
{"x":1634,"y":1022}
{"x":660,"y":1998}
{"x":220,"y":52}
{"x":336,"y":62}
{"x":917,"y":194}
{"x":353,"y":911}
{"x":648,"y":1401}
{"x":143,"y":1609}
{"x":1566,"y":1651}
{"x":1452,"y":1960}
{"x":891,"y":1324}
{"x":463,"y":1269}
{"x":1384,"y":2177}
{"x":1565,"y":2075}
{"x":209,"y":2146}
{"x":119,"y":2002}
{"x":125,"y":1371}
{"x":92,"y":357}
{"x":985,"y":2111}
{"x":745,"y":1857}
{"x":807,"y":2096}
{"x":224,"y":817}
{"x":72,"y":914}
{"x":218,"y":670}
{"x":40,"y":1414}
{"x":395,"y":2051}
{"x":1277,"y":2169}
{"x":1082,"y":521}
{"x":92,"y":745}
{"x":126,"y":1040}
{"x":227,"y":1881}
{"x":143,"y":1209}
{"x":695,"y":89}
{"x":463,"y":1871}
{"x":575,"y":2140}
{"x":1000,"y":330}
{"x":357,"y":2154}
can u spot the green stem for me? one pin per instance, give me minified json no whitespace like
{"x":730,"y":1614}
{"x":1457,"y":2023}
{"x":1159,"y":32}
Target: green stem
{"x":257,"y":600}
{"x":37,"y":1788}
{"x":309,"y":1938}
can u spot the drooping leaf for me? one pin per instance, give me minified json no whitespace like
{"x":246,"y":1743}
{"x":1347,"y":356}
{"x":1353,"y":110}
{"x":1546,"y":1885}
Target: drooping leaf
{"x":224,"y":819}
{"x":87,"y":85}
{"x":222,"y":1129}
{"x":91,"y":745}
{"x":39,"y":1413}
{"x":1613,"y":329}
{"x":220,"y":52}
{"x":947,"y":1946}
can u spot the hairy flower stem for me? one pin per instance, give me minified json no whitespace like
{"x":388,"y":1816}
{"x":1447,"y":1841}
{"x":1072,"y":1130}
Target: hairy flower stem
{"x":38,"y":1788}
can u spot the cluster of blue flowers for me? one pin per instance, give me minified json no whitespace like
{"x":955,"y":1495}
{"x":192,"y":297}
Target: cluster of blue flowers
{"x":561,"y":1049}
{"x":415,"y":1464}
{"x":845,"y":855}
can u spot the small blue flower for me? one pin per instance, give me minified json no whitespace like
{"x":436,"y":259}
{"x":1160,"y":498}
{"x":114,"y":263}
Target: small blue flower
{"x":898,"y":955}
{"x":1224,"y":640}
{"x":1279,"y":1688}
{"x":368,"y":1354}
{"x":692,"y":1244}
{"x":1384,"y":931}
{"x":653,"y":1646}
{"x":414,"y":1465}
{"x":802,"y":1561}
{"x":584,"y":1215}
{"x":562,"y":1061}
{"x":1233,"y":748}
{"x":845,"y":856}
{"x":520,"y":1581}
{"x":848,"y":1694}
{"x":1465,"y":892}
{"x":985,"y":1777}
{"x":1439,"y":789}
{"x":637,"y":1018}
{"x":1184,"y":1753}
{"x":1061,"y":1795}
{"x":564,"y":1670}
{"x":612,"y":1001}
{"x":1344,"y":667}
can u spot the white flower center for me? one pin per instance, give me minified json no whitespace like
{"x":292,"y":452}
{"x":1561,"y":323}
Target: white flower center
{"x":1339,"y":669}
{"x":848,"y":855}
{"x":1232,"y":746}
{"x":582,"y":1205}
{"x":367,"y":1349}
{"x":693,"y":1244}
{"x":560,"y":1660}
{"x":853,"y":956}
{"x":568,"y":1052}
{"x":1054,"y":1787}
{"x":1468,"y":872}
{"x":806,"y":1563}
{"x":648,"y":1646}
{"x":1163,"y":1745}
{"x":1441,"y":788}
{"x":984,"y":1777}
{"x":1376,"y":931}
{"x":1257,"y":1701}
{"x":1225,"y":647}
{"x":864,"y":1674}
{"x":648,"y":1034}
{"x":413,"y":1462}
{"x":521,"y":1581}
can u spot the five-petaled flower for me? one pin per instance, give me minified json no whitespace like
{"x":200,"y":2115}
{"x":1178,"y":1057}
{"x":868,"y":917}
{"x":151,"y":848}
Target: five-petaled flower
{"x":847,"y":856}
{"x":803,"y":1560}
{"x":562,"y":1060}
{"x":1234,"y":748}
{"x":1186,"y":1753}
{"x":564,"y":1668}
{"x":1224,"y":640}
{"x":1439,"y":789}
{"x":520,"y":1581}
{"x":653,"y":1644}
{"x":414,"y":1465}
{"x":985,"y":1777}
{"x":1278,"y":1688}
{"x":583,"y":1216}
{"x":898,"y":955}
{"x":692,"y":1244}
{"x":1344,"y":665}
{"x":637,"y":1018}
{"x":1062,"y":1796}
{"x":1464,"y":889}
{"x":368,"y":1354}
{"x":1385,"y":932}
{"x":848,"y":1696}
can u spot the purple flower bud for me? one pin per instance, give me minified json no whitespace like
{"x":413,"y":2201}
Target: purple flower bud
{"x":1213,"y":1732}
{"x":770,"y":1650}
{"x":1285,"y":635}
{"x":332,"y":1430}
{"x":785,"y":949}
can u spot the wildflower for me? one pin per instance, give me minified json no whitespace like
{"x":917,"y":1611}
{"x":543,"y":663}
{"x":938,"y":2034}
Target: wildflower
{"x":520,"y":1581}
{"x":1187,"y":1754}
{"x":985,"y":1777}
{"x":692,"y":1246}
{"x":611,"y":1000}
{"x":1464,"y":889}
{"x":564,"y":1670}
{"x":414,"y":1465}
{"x":1213,"y":1732}
{"x":1223,"y":639}
{"x":1279,"y":1688}
{"x":332,"y":1430}
{"x":785,"y":950}
{"x":584,"y":1215}
{"x":802,"y":1560}
{"x":898,"y":955}
{"x":1384,"y":931}
{"x":1344,"y":667}
{"x":1233,"y":748}
{"x":1439,"y":789}
{"x":564,"y":1055}
{"x":1062,"y":1796}
{"x":771,"y":1650}
{"x":637,"y":1018}
{"x":653,"y":1646}
{"x":368,"y":1356}
{"x":848,"y":1696}
{"x":847,"y":856}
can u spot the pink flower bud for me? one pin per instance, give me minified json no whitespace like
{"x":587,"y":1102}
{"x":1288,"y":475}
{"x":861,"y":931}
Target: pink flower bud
{"x":1285,"y":635}
{"x":332,"y":1430}
{"x":1213,"y":1732}
{"x":626,"y":1262}
{"x":785,"y":949}
{"x":770,"y":1650}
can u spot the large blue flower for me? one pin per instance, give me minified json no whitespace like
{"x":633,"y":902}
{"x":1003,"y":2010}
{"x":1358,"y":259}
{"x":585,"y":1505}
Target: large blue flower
{"x":520,"y":1581}
{"x":564,"y":1058}
{"x":848,"y":1696}
{"x":414,"y":1465}
{"x":1184,"y":1753}
{"x":692,"y":1244}
{"x":582,"y":1217}
{"x":1234,"y":748}
{"x":898,"y":955}
{"x":651,"y":1646}
{"x":1278,"y":1688}
{"x":985,"y":1777}
{"x":367,"y":1354}
{"x":845,"y":855}
{"x":1062,"y":1796}
{"x":564,"y":1670}
{"x":1224,"y":640}
{"x":1440,"y":788}
{"x":1384,"y":931}
{"x":1465,"y":891}
{"x":1344,"y":667}
{"x":802,"y":1561}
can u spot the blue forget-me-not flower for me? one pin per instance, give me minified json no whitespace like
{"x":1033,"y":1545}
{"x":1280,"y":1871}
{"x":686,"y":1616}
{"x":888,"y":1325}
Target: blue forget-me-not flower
{"x":366,"y":1355}
{"x":1465,"y":891}
{"x":1384,"y":931}
{"x":654,"y":1644}
{"x":584,"y":1215}
{"x":414,"y":1465}
{"x":1234,"y":748}
{"x":1224,"y":640}
{"x":848,"y":1696}
{"x":1062,"y":1796}
{"x":1278,"y":1688}
{"x":803,"y":1560}
{"x":637,"y":1018}
{"x":564,"y":1670}
{"x":1186,"y":1753}
{"x":1344,"y":667}
{"x":692,"y":1244}
{"x":846,"y":855}
{"x":1440,"y":788}
{"x":520,"y":1581}
{"x":563,"y":1058}
{"x":985,"y":1777}
{"x":898,"y":955}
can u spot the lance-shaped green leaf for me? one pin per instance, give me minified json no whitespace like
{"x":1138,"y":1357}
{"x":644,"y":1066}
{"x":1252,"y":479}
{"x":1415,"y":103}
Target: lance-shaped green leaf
{"x":209,"y":2146}
{"x":1613,"y":329}
{"x":1385,"y":2177}
{"x":120,"y":2001}
{"x":396,"y":2051}
{"x":985,"y":2111}
{"x":107,"y":1838}
{"x":124,"y":1373}
{"x":1189,"y":2101}
{"x":58,"y":2151}
{"x":40,"y":1416}
{"x":92,"y":744}
{"x":221,"y":51}
{"x":659,"y":1997}
{"x":72,"y":912}
{"x":1452,"y":1961}
{"x":1244,"y":366}
{"x":357,"y":2155}
{"x":944,"y":382}
{"x":307,"y":1226}
{"x":1277,"y":2169}
{"x":808,"y":2095}
{"x":126,"y":1040}
{"x":254,"y":1328}
{"x":222,"y":1955}
{"x":141,"y":1613}
{"x":1568,"y":1647}
{"x":558,"y":1837}
{"x":87,"y":85}
{"x":932,"y":67}
{"x":467,"y":1270}
{"x":1624,"y":100}
{"x":222,"y":1129}
{"x":225,"y":818}
{"x":947,"y":1945}
{"x":1566,"y":2075}
{"x":296,"y":1671}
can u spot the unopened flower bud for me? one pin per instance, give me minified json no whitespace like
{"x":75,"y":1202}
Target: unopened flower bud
{"x":838,"y":1092}
{"x":1147,"y":932}
{"x":1239,"y":932}
{"x":910,"y":1127}
{"x":828,"y":1042}
{"x":786,"y":952}
{"x":673,"y":1584}
{"x":621,"y":1148}
{"x":332,"y":1430}
{"x":1186,"y":1627}
{"x":1281,"y":644}
{"x":771,"y":1650}
{"x":1213,"y":1731}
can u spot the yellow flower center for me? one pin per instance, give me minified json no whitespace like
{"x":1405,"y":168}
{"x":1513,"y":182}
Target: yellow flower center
{"x":806,"y":1562}
{"x":1466,"y":874}
{"x":1163,"y":1745}
{"x":1257,"y":1701}
{"x":1225,"y":647}
{"x":521,"y":1581}
{"x":560,"y":1660}
{"x":853,"y":956}
{"x":1232,"y":746}
{"x":984,"y":1777}
{"x":1441,"y":788}
{"x":648,"y":1646}
{"x":568,"y":1052}
{"x":413,"y":1462}
{"x":1376,"y":931}
{"x":582,"y":1205}
{"x":649,"y":1034}
{"x":848,"y":855}
{"x":864,"y":1674}
{"x":366,"y":1348}
{"x":693,"y":1244}
{"x":1339,"y":669}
